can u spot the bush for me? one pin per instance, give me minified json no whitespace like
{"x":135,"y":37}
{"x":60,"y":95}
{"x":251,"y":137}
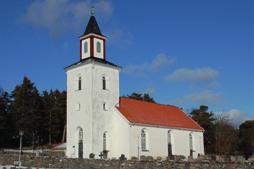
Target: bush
{"x":159,"y":158}
{"x":122,"y":157}
{"x":134,"y":158}
{"x":179,"y":157}
{"x":91,"y":155}
{"x":142,"y":158}
{"x":149,"y":158}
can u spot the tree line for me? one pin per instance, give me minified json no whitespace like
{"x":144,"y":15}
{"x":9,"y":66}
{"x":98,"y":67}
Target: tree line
{"x":42,"y":117}
{"x":221,"y":136}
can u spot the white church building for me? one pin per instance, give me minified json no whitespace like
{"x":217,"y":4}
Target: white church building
{"x":102,"y":123}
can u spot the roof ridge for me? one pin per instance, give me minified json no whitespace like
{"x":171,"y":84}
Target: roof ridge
{"x":151,"y":102}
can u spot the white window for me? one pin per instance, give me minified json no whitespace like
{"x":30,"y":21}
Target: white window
{"x":98,"y":47}
{"x":85,"y":47}
{"x":144,"y":140}
{"x":105,"y":106}
{"x":77,"y":106}
{"x":104,"y":87}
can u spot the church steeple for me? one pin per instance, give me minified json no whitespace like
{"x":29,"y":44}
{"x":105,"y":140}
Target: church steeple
{"x":92,"y":42}
{"x":92,"y":27}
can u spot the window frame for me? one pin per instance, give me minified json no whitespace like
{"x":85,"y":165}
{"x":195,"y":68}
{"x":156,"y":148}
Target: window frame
{"x":144,"y":140}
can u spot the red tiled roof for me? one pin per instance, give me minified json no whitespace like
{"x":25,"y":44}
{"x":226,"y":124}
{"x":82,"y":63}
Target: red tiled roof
{"x":142,"y":112}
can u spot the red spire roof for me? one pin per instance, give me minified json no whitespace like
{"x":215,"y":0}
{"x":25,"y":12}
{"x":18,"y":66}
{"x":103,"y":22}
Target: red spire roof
{"x":143,"y":112}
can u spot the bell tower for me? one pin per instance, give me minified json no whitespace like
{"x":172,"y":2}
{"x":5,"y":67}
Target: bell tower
{"x":92,"y":42}
{"x":92,"y":94}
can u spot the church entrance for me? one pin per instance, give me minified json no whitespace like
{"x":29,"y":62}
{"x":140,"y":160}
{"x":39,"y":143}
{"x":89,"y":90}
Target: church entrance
{"x":80,"y":143}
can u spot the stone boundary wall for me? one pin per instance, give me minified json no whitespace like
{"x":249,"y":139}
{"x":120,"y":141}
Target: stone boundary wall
{"x":64,"y":163}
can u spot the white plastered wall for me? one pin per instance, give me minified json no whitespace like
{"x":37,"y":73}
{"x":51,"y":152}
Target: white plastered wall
{"x":91,"y":117}
{"x":79,"y":118}
{"x":103,"y":119}
{"x":120,"y":136}
{"x":158,"y":141}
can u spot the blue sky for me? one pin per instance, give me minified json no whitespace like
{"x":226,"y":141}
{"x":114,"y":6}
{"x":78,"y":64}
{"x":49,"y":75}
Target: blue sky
{"x":182,"y":52}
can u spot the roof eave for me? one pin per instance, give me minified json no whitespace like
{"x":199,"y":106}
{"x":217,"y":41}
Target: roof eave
{"x":164,"y":126}
{"x":91,"y":60}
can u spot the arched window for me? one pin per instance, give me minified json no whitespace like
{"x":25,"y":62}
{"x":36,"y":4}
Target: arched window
{"x":85,"y":47}
{"x":98,"y":47}
{"x":191,"y":141}
{"x":79,"y":83}
{"x":104,"y":83}
{"x":191,"y":144}
{"x":169,"y":143}
{"x":105,"y":106}
{"x":144,"y":140}
{"x":78,"y":106}
{"x":105,"y":145}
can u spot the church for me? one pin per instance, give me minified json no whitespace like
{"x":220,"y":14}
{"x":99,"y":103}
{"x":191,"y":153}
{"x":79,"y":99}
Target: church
{"x":102,"y":124}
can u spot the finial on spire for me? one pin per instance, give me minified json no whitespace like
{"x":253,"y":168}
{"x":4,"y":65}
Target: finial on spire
{"x":92,"y":10}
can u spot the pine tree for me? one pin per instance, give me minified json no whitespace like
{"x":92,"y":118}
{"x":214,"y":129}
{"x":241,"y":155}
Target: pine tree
{"x":48,"y":101}
{"x":139,"y":96}
{"x":55,"y":110}
{"x":206,"y":120}
{"x":4,"y":118}
{"x":27,"y":109}
{"x":246,"y":137}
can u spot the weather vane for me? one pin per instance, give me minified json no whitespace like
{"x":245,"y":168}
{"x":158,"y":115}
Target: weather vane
{"x":92,"y":10}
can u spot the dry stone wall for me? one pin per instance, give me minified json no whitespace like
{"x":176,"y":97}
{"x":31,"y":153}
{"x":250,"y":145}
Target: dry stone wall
{"x":64,"y":163}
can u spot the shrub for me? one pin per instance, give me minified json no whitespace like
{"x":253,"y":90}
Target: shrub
{"x":159,"y":158}
{"x":122,"y":157}
{"x":142,"y":158}
{"x":91,"y":155}
{"x":149,"y":158}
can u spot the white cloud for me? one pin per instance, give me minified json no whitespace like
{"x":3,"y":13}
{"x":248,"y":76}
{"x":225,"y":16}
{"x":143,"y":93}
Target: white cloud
{"x":236,"y":116}
{"x":59,"y":16}
{"x":202,"y":98}
{"x":200,"y":75}
{"x":160,"y":61}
